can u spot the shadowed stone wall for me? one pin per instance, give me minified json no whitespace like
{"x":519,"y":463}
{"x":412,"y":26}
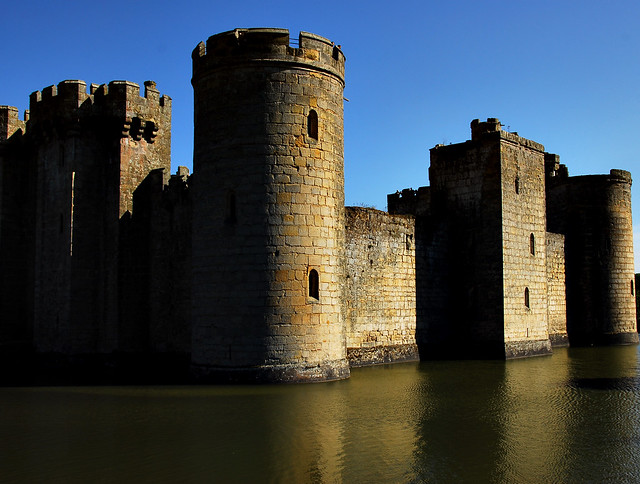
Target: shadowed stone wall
{"x":90,"y":150}
{"x":155,"y":267}
{"x":16,"y":234}
{"x":594,"y":213}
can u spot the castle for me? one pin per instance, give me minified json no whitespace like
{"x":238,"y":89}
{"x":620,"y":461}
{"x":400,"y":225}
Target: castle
{"x":252,"y":268}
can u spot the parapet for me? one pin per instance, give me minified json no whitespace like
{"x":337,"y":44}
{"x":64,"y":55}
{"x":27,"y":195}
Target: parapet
{"x":9,"y":122}
{"x":410,"y":201}
{"x":479,"y":128}
{"x":135,"y":115}
{"x":268,"y":46}
{"x":555,"y":172}
{"x":117,"y":97}
{"x":614,"y":177}
{"x":620,"y":176}
{"x":493,"y":127}
{"x":179,"y":180}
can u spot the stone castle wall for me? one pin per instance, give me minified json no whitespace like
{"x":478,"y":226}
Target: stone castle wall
{"x":91,"y":150}
{"x":155,"y":267}
{"x":16,"y":240}
{"x":252,"y":269}
{"x":380,"y":287}
{"x":524,"y":267}
{"x":637,"y":280}
{"x":556,"y":290}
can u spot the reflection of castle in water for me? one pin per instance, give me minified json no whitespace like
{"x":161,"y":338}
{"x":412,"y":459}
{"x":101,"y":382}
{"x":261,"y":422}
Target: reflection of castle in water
{"x":253,"y":269}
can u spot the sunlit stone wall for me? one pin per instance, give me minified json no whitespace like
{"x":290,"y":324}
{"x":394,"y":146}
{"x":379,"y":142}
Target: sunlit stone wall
{"x":380,"y":287}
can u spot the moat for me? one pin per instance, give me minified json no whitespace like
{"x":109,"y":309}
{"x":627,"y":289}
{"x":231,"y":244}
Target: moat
{"x":570,"y":417}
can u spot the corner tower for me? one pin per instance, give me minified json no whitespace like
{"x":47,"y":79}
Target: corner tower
{"x":268,"y":237}
{"x":594,"y":213}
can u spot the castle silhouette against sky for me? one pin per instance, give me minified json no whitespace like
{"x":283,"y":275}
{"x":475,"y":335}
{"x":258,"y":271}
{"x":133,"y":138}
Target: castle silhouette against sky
{"x":252,"y":269}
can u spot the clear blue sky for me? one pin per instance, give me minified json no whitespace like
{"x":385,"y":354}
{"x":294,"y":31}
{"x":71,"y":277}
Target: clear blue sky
{"x":563,"y":73}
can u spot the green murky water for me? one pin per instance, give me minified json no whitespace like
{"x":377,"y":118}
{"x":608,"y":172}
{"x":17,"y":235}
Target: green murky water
{"x":572,"y":417}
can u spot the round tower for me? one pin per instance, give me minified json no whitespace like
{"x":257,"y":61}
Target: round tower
{"x":601,"y":305}
{"x":268,"y":239}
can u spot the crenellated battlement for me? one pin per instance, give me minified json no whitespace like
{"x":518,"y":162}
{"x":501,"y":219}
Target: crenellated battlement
{"x":269,"y":46}
{"x":601,"y":182}
{"x":493,"y":127}
{"x":409,"y":201}
{"x":119,"y":101}
{"x":480,"y":128}
{"x":65,"y":98}
{"x":71,"y":94}
{"x":620,"y":176}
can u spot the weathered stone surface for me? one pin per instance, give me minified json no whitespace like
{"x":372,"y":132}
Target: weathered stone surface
{"x":490,"y":279}
{"x":380,"y":354}
{"x":481,"y":260}
{"x":252,"y":269}
{"x":380,"y":292}
{"x":556,"y":290}
{"x":268,"y":233}
{"x":594,"y":213}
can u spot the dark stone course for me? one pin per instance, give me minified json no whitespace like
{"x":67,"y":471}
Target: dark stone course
{"x":328,"y":371}
{"x":382,"y":354}
{"x":559,"y":340}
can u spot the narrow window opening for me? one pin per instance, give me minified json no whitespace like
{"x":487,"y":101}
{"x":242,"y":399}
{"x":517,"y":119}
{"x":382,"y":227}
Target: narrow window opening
{"x":230,"y":213}
{"x":532,"y":244}
{"x":517,"y":185}
{"x":408,"y":241}
{"x":312,"y":124}
{"x":314,"y":284}
{"x":336,"y":53}
{"x":632,"y":290}
{"x":526,"y":297}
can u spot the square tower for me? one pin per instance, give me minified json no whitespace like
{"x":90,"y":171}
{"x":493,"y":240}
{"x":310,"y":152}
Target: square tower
{"x":91,"y":150}
{"x":488,"y":214}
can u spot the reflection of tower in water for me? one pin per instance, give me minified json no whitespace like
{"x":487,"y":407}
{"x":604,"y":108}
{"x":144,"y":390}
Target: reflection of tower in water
{"x":535,"y":411}
{"x":459,"y":422}
{"x":604,"y":390}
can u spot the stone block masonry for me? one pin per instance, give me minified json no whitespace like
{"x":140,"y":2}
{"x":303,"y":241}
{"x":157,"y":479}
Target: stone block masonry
{"x":556,"y":290}
{"x":93,"y":150}
{"x":268,"y":240}
{"x":524,"y":273}
{"x":252,"y":269}
{"x":380,"y":291}
{"x":594,"y":213}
